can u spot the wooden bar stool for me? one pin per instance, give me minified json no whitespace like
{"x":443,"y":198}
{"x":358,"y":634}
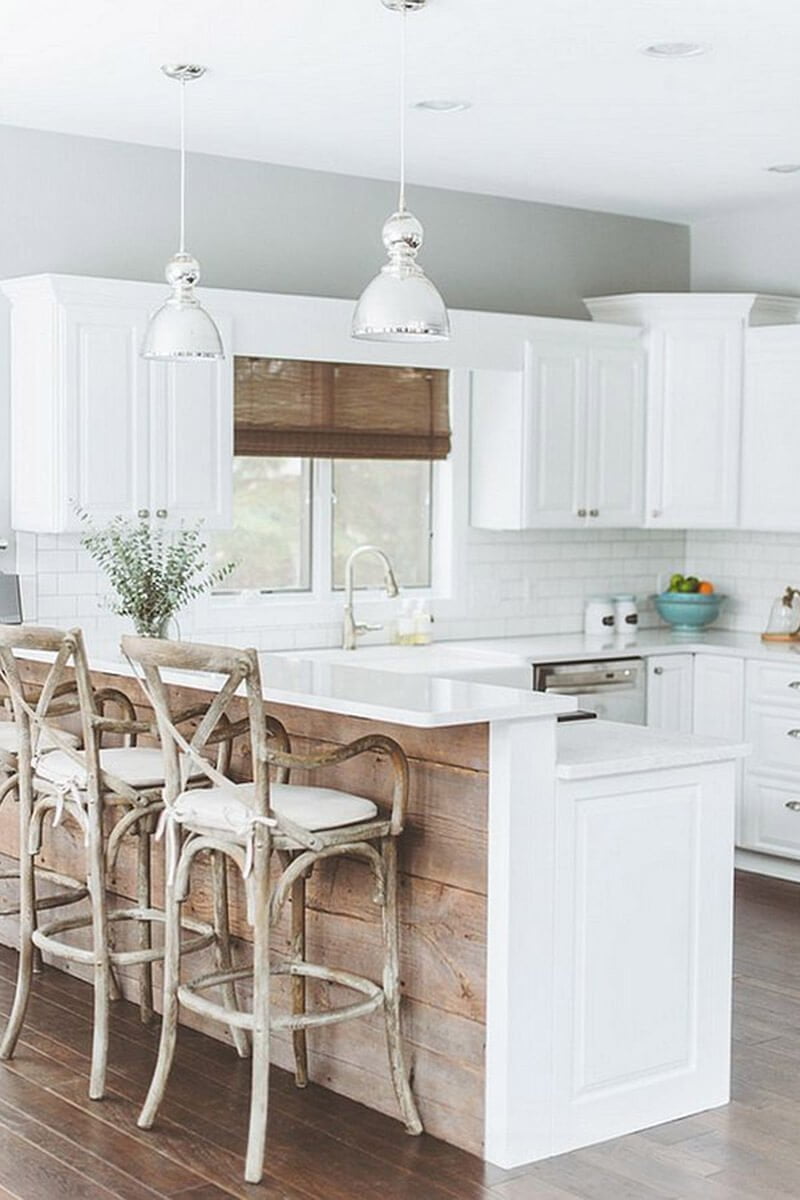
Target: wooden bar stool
{"x":56,"y":780}
{"x":64,"y":703}
{"x":247,"y":822}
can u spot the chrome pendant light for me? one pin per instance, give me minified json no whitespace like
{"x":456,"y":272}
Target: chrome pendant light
{"x":401,"y":304}
{"x":181,"y":329}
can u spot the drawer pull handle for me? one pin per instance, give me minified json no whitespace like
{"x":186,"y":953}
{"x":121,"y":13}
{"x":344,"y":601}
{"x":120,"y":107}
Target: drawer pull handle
{"x":794,"y":685}
{"x":795,"y":733}
{"x":794,"y":805}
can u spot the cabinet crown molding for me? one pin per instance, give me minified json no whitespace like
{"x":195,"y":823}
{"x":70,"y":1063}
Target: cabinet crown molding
{"x":649,"y":308}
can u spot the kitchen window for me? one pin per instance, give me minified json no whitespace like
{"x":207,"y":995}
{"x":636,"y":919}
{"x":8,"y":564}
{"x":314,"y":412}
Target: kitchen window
{"x":328,"y":457}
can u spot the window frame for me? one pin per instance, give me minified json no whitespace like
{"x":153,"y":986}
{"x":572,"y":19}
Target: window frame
{"x":322,"y":605}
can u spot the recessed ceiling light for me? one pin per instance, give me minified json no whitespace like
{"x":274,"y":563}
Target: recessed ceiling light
{"x":676,"y":49}
{"x":784,"y":168}
{"x":443,"y":106}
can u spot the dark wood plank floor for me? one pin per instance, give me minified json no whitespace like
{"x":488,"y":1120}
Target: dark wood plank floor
{"x":55,"y":1144}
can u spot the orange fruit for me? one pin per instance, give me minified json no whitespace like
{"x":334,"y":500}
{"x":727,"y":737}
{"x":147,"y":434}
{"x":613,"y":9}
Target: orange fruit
{"x":706,"y":588}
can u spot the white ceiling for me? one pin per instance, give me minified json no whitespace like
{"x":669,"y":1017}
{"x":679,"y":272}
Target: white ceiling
{"x":565,"y":107}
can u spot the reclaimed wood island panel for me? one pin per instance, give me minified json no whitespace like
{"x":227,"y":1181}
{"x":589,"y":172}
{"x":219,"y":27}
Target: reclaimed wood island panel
{"x":443,"y":907}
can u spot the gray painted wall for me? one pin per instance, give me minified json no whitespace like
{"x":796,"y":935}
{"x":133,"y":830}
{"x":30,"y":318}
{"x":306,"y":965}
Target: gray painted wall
{"x":90,"y":207}
{"x":754,"y":249}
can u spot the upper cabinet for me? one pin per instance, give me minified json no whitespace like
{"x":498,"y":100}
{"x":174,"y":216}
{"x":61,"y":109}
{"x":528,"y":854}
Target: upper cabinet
{"x":94,"y":426}
{"x":560,"y":444}
{"x":771,"y":429}
{"x":695,"y":383}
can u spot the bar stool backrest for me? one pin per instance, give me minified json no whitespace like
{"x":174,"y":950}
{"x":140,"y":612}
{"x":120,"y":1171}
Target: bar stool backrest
{"x":36,"y":711}
{"x":187,"y":751}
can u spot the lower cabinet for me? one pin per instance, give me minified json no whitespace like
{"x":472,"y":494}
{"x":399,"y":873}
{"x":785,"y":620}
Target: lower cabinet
{"x":670,"y":690}
{"x":718,"y":710}
{"x":771,"y":801}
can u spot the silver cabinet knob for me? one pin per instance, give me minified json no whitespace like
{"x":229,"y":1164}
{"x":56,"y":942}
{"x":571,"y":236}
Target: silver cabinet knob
{"x":143,"y":514}
{"x":581,"y":512}
{"x":594,"y":512}
{"x":793,"y":805}
{"x":795,"y":733}
{"x":795,"y":684}
{"x":658,"y":670}
{"x":161,"y":512}
{"x":656,"y":513}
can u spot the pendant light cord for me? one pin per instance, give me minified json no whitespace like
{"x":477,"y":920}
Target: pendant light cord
{"x":182,"y":247}
{"x":403,"y":41}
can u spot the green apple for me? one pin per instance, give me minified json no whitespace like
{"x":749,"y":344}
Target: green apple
{"x":675,"y":583}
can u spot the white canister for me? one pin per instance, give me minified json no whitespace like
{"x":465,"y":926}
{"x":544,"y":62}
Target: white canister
{"x":626,"y":615}
{"x":598,"y":618}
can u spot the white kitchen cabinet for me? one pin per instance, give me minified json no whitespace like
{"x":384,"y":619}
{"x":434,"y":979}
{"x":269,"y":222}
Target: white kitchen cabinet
{"x":770,"y":429}
{"x":695,"y":383}
{"x":560,"y":445}
{"x":770,"y":821}
{"x":718,"y":709}
{"x":670,"y":691}
{"x":95,"y":426}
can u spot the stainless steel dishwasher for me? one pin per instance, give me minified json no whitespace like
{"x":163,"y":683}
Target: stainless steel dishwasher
{"x":614,"y":689}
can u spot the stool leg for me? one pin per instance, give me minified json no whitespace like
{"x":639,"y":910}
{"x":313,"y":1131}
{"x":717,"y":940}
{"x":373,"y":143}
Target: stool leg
{"x":144,"y":898}
{"x":27,"y":918}
{"x":222,"y":946}
{"x":169,"y":1015}
{"x":259,"y":1089}
{"x":101,"y":951}
{"x":298,"y":953}
{"x":391,"y":990}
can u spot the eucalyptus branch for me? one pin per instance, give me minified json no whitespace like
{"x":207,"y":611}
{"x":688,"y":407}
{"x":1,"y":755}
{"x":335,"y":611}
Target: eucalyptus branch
{"x":153,"y":574}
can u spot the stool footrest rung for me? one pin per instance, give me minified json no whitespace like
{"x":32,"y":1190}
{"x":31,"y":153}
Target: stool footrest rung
{"x":189,"y":996}
{"x":48,"y":937}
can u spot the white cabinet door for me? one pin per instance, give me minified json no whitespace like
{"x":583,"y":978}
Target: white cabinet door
{"x":771,"y":426}
{"x":556,"y":381}
{"x":669,"y":692}
{"x":718,"y":705}
{"x":615,"y":450}
{"x":719,"y":696}
{"x":498,"y":449}
{"x":104,"y":400}
{"x":191,"y":442}
{"x":695,"y":383}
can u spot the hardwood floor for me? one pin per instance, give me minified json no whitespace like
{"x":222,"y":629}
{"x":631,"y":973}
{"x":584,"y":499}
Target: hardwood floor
{"x":55,"y":1144}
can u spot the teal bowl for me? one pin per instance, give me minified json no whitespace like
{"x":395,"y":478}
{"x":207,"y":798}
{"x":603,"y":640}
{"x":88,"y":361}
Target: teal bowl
{"x":686,"y":611}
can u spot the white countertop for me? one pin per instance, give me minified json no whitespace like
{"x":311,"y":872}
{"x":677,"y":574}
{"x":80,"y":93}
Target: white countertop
{"x":565,"y":647}
{"x":588,"y":749}
{"x":416,"y":698}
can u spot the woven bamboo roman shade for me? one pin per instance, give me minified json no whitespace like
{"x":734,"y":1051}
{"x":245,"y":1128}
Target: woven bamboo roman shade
{"x":339,"y":410}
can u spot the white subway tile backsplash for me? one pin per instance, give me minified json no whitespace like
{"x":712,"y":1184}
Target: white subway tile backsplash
{"x":515,"y":583}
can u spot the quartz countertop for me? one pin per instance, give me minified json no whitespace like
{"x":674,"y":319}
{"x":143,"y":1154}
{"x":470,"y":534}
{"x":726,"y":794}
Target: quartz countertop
{"x":568,"y":646}
{"x":588,"y":749}
{"x":415,"y":698}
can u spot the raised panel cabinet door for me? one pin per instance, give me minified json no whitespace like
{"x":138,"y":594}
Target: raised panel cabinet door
{"x":772,"y":814}
{"x":718,"y":704}
{"x":615,"y":448}
{"x":555,"y":382}
{"x":669,"y":692}
{"x":694,"y":423}
{"x":770,"y":498}
{"x":191,"y":443}
{"x":104,"y":393}
{"x":498,"y":450}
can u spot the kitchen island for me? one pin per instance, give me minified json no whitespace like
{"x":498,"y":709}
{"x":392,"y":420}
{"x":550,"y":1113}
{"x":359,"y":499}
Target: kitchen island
{"x":565,"y":908}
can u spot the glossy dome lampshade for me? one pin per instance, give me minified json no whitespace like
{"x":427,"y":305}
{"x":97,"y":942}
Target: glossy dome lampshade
{"x":181,"y":328}
{"x":401,"y":304}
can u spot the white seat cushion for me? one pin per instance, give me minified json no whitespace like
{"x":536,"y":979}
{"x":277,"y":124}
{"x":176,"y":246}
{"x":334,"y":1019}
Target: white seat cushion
{"x":9,"y":738}
{"x":139,"y":766}
{"x":228,"y":810}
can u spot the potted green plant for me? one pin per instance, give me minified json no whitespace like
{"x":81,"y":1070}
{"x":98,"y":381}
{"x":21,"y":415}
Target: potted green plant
{"x":154,"y":573}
